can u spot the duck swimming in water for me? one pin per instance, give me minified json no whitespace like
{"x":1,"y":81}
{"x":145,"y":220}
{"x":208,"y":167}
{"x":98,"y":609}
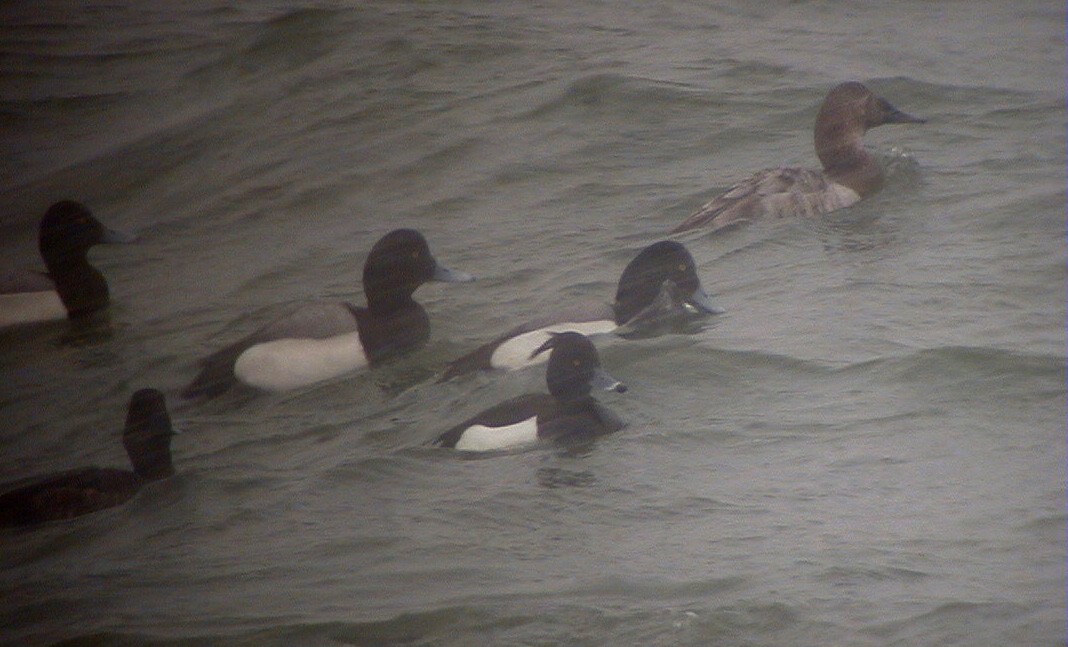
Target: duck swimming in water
{"x":567,"y":412}
{"x":147,"y":439}
{"x":72,"y":288}
{"x":323,"y":340}
{"x":849,"y":173}
{"x":660,"y":284}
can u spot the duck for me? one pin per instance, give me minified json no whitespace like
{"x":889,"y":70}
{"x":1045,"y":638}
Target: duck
{"x":326,"y":339}
{"x":147,"y":439}
{"x":660,"y":284}
{"x":567,"y":412}
{"x":72,"y":288}
{"x":849,"y":174}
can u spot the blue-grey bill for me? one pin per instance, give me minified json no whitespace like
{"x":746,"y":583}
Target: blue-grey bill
{"x":116,"y":236}
{"x":602,"y":380}
{"x":442,"y":273}
{"x":699,"y":301}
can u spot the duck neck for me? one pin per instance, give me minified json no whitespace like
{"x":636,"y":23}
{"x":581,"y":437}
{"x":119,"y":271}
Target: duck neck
{"x":574,"y":402}
{"x":390,"y":302}
{"x":152,"y":463}
{"x":844,"y":158}
{"x":80,"y":286}
{"x":156,"y":472}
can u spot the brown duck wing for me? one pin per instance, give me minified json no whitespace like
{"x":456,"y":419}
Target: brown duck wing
{"x":777,"y":192}
{"x":68,"y":495}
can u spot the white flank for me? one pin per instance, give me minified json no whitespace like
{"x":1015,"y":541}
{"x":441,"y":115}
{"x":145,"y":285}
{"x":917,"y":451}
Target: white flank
{"x":479,"y":438}
{"x":515,"y":353}
{"x":843,"y":196}
{"x":291,"y":363}
{"x":28,"y":307}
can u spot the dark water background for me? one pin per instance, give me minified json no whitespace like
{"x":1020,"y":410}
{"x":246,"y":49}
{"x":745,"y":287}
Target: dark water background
{"x":867,"y":449}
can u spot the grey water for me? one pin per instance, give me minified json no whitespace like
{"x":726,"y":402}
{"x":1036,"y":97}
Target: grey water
{"x":867,"y":448}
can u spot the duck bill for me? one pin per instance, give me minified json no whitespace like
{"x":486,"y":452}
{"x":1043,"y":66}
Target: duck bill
{"x":445,"y":275}
{"x":117,"y":237}
{"x":602,"y":380}
{"x":699,"y":301}
{"x":670,"y":305}
{"x":895,"y":116}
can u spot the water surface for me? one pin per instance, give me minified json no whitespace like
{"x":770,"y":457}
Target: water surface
{"x":867,"y":449}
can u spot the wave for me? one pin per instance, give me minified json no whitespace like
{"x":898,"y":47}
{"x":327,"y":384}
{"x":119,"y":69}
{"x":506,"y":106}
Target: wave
{"x":1000,"y":623}
{"x":605,"y":94}
{"x":548,"y":620}
{"x":954,"y":364}
{"x":658,"y":620}
{"x":284,"y":43}
{"x":949,"y":362}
